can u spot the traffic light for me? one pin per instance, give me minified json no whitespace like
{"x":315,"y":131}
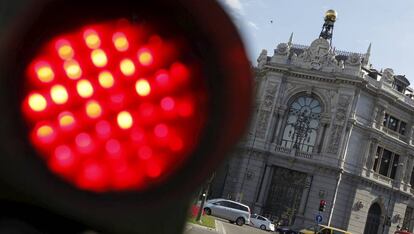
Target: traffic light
{"x":114,"y":112}
{"x":322,"y":205}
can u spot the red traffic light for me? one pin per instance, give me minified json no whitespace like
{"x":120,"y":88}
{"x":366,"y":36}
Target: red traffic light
{"x":114,"y":106}
{"x":322,"y":205}
{"x":114,"y":112}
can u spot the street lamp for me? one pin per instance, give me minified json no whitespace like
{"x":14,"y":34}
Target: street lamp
{"x":328,"y":26}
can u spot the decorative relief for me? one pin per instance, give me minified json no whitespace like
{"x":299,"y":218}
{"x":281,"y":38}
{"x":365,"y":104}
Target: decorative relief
{"x":334,"y":139}
{"x":388,"y":76}
{"x":282,"y":49}
{"x":353,"y":60}
{"x":319,"y":55}
{"x":269,"y":95}
{"x":340,"y":117}
{"x":262,"y":123}
{"x":343,"y":103}
{"x":264,"y":114}
{"x":262,"y":59}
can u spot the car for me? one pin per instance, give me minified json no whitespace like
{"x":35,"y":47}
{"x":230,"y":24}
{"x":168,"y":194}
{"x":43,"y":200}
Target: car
{"x":261,"y":222}
{"x":285,"y":230}
{"x":232,"y":211}
{"x":322,"y":229}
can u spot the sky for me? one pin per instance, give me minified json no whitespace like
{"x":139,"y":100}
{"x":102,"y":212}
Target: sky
{"x":388,"y":25}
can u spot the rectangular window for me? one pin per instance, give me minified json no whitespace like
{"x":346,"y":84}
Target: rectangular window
{"x":385,"y":162}
{"x":393,"y":123}
{"x":394,"y":166}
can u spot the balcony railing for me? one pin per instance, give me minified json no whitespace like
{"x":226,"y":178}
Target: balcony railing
{"x":394,"y":134}
{"x":382,"y":178}
{"x":295,"y":153}
{"x":303,"y":154}
{"x":282,"y":149}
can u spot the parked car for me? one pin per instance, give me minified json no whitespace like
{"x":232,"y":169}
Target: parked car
{"x":261,"y":222}
{"x":285,"y":230}
{"x":233,"y":211}
{"x":323,"y":229}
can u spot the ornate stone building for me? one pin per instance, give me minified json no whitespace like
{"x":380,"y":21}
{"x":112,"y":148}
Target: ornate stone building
{"x":326,"y":126}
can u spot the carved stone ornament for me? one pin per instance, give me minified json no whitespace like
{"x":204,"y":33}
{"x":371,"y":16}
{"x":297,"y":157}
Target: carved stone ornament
{"x":282,"y":49}
{"x":353,"y":60}
{"x":318,"y":56}
{"x":334,"y":139}
{"x":388,"y":75}
{"x":262,"y":56}
{"x":359,"y":205}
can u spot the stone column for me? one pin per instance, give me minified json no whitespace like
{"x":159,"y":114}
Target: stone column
{"x":372,"y":153}
{"x":265,"y":187}
{"x":321,"y":135}
{"x":305,"y":195}
{"x":381,"y":118}
{"x":281,"y":114}
{"x":410,"y":133}
{"x":272,"y":127}
{"x":409,"y":169}
{"x":374,"y":117}
{"x":367,"y":152}
{"x":400,"y":171}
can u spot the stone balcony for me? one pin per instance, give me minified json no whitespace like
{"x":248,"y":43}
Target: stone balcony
{"x":328,"y":160}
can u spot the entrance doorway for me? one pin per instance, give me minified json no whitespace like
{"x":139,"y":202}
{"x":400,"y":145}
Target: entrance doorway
{"x":284,"y":195}
{"x":373,"y":219}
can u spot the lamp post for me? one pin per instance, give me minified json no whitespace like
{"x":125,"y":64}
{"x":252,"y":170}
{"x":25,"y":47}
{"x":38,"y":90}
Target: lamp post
{"x":328,"y":26}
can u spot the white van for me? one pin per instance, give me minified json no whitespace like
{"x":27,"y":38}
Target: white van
{"x":233,"y":211}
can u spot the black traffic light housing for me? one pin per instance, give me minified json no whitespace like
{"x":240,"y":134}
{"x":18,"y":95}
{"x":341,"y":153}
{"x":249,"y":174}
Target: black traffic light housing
{"x":230,"y":83}
{"x":322,"y":205}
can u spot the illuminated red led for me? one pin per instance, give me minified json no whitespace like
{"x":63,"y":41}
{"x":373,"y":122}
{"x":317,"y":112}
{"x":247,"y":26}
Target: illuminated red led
{"x":105,"y":114}
{"x":44,"y":72}
{"x":63,"y":159}
{"x":145,"y":57}
{"x":167,"y":103}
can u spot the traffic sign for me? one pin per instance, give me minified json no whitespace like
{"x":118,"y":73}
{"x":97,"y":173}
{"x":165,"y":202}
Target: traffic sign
{"x":318,"y":218}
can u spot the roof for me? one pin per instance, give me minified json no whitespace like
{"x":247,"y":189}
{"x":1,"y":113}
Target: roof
{"x":402,"y":79}
{"x":340,"y":54}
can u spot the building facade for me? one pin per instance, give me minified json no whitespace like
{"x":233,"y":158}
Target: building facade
{"x":326,"y":126}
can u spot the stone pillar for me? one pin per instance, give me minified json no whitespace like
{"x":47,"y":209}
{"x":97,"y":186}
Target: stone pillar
{"x":325,"y":141}
{"x":321,"y":135}
{"x":400,"y":171}
{"x":410,"y":133}
{"x":367,"y":152}
{"x":305,"y":195}
{"x":409,"y":169}
{"x":272,"y":127}
{"x":372,"y":153}
{"x":381,"y":118}
{"x":267,"y":178}
{"x":374,"y":117}
{"x":279,"y":129}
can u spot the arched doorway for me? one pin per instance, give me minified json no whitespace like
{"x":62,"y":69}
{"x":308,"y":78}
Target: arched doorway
{"x":373,"y":219}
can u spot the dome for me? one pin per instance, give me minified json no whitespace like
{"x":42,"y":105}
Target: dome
{"x":331,"y":15}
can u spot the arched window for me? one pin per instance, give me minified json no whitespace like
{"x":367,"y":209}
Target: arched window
{"x":302,"y":124}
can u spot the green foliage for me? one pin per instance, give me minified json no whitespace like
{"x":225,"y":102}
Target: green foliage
{"x":206,"y":220}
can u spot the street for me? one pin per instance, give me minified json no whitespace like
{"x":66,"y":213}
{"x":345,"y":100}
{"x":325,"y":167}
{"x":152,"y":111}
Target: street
{"x":224,"y":227}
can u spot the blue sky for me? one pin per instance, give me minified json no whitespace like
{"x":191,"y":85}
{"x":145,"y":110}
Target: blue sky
{"x":388,"y":25}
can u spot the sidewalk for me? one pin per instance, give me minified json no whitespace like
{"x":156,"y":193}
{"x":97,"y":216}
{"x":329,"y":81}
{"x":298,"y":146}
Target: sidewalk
{"x":195,"y":228}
